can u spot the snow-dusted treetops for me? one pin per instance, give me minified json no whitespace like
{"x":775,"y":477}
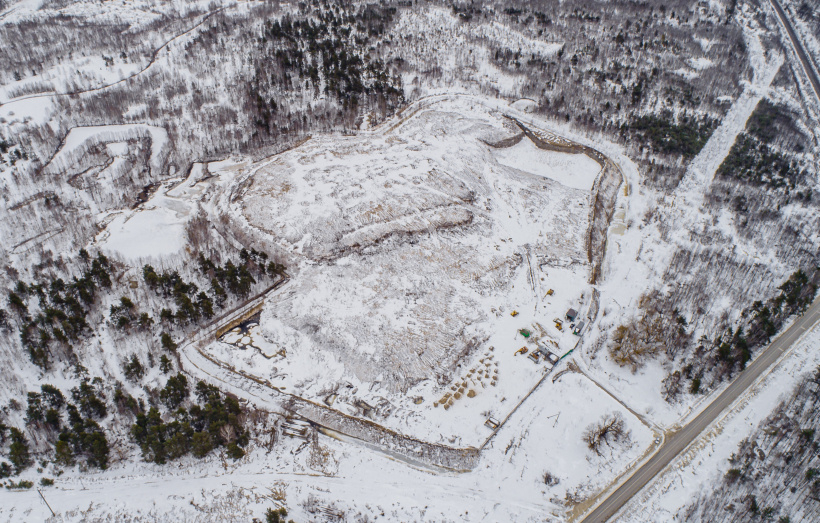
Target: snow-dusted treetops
{"x":496,"y":249}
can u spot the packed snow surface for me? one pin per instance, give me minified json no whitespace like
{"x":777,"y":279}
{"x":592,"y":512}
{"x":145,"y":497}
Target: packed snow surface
{"x":146,"y":234}
{"x":572,"y":170}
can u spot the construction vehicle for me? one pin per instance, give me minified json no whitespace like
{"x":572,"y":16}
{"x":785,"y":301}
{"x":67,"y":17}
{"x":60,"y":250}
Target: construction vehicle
{"x":550,"y":292}
{"x":522,"y":350}
{"x":514,"y":314}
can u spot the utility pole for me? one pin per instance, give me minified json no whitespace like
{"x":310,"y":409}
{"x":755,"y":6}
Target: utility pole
{"x":46,"y":502}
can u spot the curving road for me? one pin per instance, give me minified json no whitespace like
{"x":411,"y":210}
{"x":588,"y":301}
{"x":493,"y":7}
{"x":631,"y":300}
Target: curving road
{"x":154,"y":57}
{"x":677,"y":442}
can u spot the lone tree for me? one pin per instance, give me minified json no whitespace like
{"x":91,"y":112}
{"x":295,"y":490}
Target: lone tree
{"x":609,"y":430}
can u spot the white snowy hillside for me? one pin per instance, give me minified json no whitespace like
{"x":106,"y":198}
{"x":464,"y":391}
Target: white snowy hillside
{"x":420,"y":251}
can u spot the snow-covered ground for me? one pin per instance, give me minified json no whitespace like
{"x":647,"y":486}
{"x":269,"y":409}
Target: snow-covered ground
{"x":73,"y":75}
{"x":507,"y":485}
{"x":420,"y":253}
{"x":707,"y":459}
{"x":572,"y":170}
{"x":156,"y":230}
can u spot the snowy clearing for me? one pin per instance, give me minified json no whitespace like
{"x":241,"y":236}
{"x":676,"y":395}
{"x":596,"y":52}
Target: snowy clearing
{"x":458,"y":253}
{"x":572,"y":170}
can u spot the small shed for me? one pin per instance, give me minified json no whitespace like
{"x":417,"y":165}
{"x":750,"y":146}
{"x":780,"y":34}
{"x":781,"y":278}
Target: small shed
{"x":572,"y":314}
{"x":547,"y":355}
{"x":579,"y":328}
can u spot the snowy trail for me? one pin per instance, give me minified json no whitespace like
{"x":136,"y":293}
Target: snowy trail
{"x":702,"y":170}
{"x":86,"y":135}
{"x":375,"y":480}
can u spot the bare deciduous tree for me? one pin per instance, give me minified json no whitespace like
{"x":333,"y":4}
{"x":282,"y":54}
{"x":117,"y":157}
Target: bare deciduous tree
{"x":609,"y":430}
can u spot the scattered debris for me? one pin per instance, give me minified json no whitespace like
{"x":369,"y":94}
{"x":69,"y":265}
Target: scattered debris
{"x":296,"y":428}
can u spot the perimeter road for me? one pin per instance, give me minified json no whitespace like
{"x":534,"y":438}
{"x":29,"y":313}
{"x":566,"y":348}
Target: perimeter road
{"x":678,"y":441}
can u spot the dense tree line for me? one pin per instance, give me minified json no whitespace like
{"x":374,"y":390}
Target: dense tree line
{"x":684,"y":138}
{"x":71,"y":428}
{"x":322,"y":50}
{"x":765,"y":153}
{"x":215,"y":420}
{"x":59,"y":316}
{"x":730,"y":352}
{"x":17,"y":453}
{"x":226,"y":280}
{"x":774,"y":474}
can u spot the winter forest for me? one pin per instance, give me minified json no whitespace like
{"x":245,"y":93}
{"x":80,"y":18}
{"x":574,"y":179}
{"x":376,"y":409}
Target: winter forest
{"x":408,"y":260}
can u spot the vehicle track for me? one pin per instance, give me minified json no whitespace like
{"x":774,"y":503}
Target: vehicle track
{"x":154,"y":57}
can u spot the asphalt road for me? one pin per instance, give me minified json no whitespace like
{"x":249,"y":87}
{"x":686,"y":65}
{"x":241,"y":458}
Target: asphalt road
{"x":678,"y":441}
{"x":798,"y":48}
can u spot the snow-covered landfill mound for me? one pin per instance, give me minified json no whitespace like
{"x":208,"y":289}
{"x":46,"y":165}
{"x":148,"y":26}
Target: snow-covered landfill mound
{"x":426,"y":254}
